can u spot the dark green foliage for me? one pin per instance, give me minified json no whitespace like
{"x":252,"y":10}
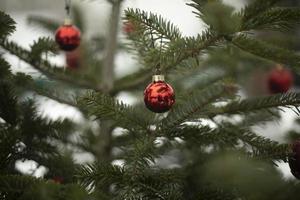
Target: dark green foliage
{"x":42,"y":65}
{"x":199,"y":150}
{"x":105,"y":107}
{"x":8,"y":101}
{"x":281,"y":19}
{"x":153,"y":24}
{"x":267,"y":51}
{"x":220,"y":18}
{"x":255,"y":8}
{"x":7,"y":25}
{"x":99,"y":175}
{"x":252,"y":105}
{"x":43,"y":45}
{"x":197,"y":102}
{"x":22,"y":187}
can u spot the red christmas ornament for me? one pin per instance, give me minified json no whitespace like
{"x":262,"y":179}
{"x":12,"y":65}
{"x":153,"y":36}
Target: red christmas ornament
{"x":73,"y":59}
{"x":280,"y":80}
{"x":128,"y":27}
{"x":294,"y":160}
{"x":58,"y":179}
{"x":67,"y":36}
{"x":159,"y":96}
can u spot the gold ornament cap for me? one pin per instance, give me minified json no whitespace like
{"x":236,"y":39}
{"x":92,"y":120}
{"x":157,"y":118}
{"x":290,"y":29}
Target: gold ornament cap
{"x":68,"y":22}
{"x":157,"y":78}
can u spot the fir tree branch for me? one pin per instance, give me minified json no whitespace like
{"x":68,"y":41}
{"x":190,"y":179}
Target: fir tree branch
{"x":52,"y":94}
{"x":266,"y":50}
{"x":154,"y":22}
{"x":99,"y":175}
{"x":25,"y":187}
{"x":256,"y":104}
{"x":5,"y":72}
{"x":261,"y":147}
{"x":177,"y":52}
{"x":42,"y":45}
{"x":281,"y":19}
{"x":228,"y":135}
{"x":51,"y":71}
{"x":107,"y":108}
{"x":161,"y":184}
{"x":203,"y":135}
{"x":16,"y":183}
{"x":197,"y":101}
{"x":141,"y":153}
{"x":256,"y":8}
{"x":7,"y":25}
{"x":8,"y":103}
{"x":185,"y":48}
{"x":199,"y":5}
{"x":265,"y":148}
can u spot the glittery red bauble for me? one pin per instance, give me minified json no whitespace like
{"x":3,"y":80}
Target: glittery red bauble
{"x":73,"y":59}
{"x":68,"y":37}
{"x":159,"y":97}
{"x":128,"y":27}
{"x":280,"y":80}
{"x":294,"y":160}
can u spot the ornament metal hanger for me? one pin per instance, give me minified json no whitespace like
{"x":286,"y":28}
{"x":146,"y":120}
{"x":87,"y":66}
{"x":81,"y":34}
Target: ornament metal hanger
{"x":68,"y":20}
{"x":158,"y":73}
{"x":68,"y":7}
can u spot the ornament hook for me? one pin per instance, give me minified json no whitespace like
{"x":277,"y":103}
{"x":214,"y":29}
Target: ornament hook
{"x":68,"y":7}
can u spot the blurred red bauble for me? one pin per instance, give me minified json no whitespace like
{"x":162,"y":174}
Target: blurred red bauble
{"x":280,"y":80}
{"x":73,"y":59}
{"x":294,"y":160}
{"x":159,"y":96}
{"x":128,"y":27}
{"x":68,"y":37}
{"x":57,"y":179}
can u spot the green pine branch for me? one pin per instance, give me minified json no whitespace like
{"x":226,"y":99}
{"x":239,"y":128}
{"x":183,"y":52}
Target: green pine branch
{"x":174,"y":55}
{"x":228,"y":135}
{"x":107,"y":108}
{"x":197,"y":101}
{"x":152,"y":22}
{"x":185,"y":48}
{"x":43,"y":45}
{"x":203,"y":135}
{"x":8,"y":148}
{"x":289,"y":100}
{"x":256,"y":8}
{"x":267,"y":51}
{"x":279,"y":19}
{"x":141,"y":153}
{"x":17,"y":183}
{"x":50,"y":70}
{"x":199,"y":5}
{"x":261,"y":147}
{"x":7,"y":25}
{"x":99,"y":175}
{"x":26,"y":187}
{"x":8,"y":103}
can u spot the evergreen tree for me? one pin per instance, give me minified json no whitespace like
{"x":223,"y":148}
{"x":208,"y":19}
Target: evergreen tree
{"x":205,"y":147}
